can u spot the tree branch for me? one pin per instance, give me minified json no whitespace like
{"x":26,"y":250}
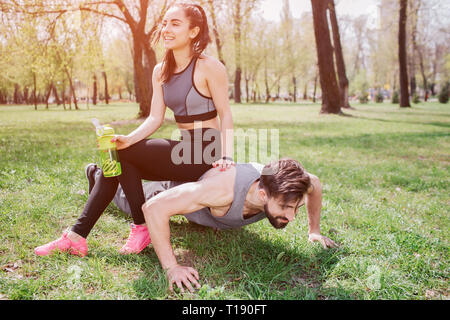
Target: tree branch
{"x":128,"y":17}
{"x":103,"y":13}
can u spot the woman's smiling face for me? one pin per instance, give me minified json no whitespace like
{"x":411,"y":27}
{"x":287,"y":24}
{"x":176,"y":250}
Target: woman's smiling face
{"x":175,"y":29}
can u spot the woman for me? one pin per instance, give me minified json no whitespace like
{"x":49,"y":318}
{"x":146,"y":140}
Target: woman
{"x":195,"y":87}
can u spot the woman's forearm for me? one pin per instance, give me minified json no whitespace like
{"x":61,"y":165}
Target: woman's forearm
{"x":147,"y":128}
{"x":227,"y":136}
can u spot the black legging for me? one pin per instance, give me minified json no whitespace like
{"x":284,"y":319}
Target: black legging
{"x":149,"y":159}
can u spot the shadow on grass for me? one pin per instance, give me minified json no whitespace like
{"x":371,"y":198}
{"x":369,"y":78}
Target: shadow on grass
{"x":367,"y":141}
{"x":243,"y":264}
{"x":432,"y":123}
{"x":399,"y":111}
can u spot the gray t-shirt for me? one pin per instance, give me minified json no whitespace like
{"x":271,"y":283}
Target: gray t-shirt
{"x":246,"y":174}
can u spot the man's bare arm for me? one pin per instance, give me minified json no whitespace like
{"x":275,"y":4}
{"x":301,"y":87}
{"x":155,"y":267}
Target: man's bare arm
{"x":183,"y":199}
{"x":314,"y":207}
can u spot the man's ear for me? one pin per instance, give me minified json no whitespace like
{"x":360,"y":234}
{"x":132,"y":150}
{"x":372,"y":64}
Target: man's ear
{"x":263,"y":195}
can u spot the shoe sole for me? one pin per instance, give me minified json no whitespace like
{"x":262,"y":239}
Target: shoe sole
{"x":57,"y":250}
{"x":87,"y":176}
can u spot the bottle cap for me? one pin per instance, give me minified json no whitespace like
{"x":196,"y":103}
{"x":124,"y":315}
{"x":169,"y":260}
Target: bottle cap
{"x":105,"y":130}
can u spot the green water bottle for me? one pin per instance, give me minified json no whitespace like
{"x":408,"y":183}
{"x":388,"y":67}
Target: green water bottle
{"x":109,"y":158}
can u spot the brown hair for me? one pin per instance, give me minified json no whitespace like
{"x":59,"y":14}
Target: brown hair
{"x":197,"y":18}
{"x":285,"y":178}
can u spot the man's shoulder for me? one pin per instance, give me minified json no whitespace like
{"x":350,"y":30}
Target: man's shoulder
{"x":221,"y":178}
{"x":257,"y":166}
{"x":217,"y":186}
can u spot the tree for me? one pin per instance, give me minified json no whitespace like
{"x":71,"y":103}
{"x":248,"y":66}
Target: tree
{"x":306,"y":57}
{"x":144,"y":57}
{"x":414,"y":7}
{"x":254,"y":53}
{"x":240,"y":10}
{"x":287,"y":28}
{"x":134,"y":16}
{"x":340,"y":64}
{"x":213,"y":7}
{"x":331,"y":101}
{"x":402,"y":58}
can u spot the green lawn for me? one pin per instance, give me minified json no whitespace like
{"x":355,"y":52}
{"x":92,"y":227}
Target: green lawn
{"x":385,"y":175}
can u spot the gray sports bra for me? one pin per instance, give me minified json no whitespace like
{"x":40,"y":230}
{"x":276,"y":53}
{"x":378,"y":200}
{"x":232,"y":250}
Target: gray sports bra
{"x":184,"y":99}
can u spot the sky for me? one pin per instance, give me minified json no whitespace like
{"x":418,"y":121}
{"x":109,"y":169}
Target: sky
{"x":272,"y":8}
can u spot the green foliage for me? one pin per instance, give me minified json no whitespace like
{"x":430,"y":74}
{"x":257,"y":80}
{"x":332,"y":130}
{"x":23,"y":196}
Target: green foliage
{"x":416,"y":98}
{"x":395,"y":98}
{"x":443,"y":95}
{"x":359,"y":85}
{"x":384,"y":174}
{"x":379,"y":98}
{"x":363,"y":98}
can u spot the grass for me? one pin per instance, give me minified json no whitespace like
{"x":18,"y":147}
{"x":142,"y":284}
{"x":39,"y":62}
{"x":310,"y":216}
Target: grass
{"x":385,"y":174}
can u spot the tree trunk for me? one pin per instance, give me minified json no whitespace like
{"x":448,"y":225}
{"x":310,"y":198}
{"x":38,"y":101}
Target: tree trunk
{"x":404,"y":94}
{"x":47,"y":96}
{"x":340,"y":64}
{"x":237,"y":51}
{"x":150,"y":63}
{"x":247,"y":80}
{"x":34,"y":91}
{"x":315,"y":87}
{"x":424,"y":77}
{"x":16,"y":97}
{"x":55,"y":93}
{"x":266,"y":81}
{"x":72,"y":91}
{"x":143,"y":94}
{"x":414,"y":17}
{"x":434,"y":70}
{"x":215,"y":31}
{"x":278,"y":91}
{"x":331,"y":101}
{"x":94,"y":90}
{"x":294,"y":83}
{"x":26,"y":97}
{"x":105,"y":79}
{"x":63,"y":94}
{"x":3,"y":97}
{"x":237,"y":85}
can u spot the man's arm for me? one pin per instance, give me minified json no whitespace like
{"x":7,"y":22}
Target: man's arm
{"x":182,"y":199}
{"x":313,"y":207}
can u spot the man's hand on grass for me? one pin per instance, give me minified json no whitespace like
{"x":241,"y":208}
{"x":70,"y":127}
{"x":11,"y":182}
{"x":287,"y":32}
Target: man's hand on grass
{"x":181,"y":275}
{"x":326,"y":242}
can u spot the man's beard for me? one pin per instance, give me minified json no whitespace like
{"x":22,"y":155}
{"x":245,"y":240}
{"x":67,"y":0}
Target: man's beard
{"x":277,"y":222}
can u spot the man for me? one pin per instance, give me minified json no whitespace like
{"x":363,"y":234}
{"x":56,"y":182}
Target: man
{"x":247,"y":193}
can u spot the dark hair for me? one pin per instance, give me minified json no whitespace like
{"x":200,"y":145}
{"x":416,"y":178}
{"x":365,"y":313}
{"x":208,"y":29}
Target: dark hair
{"x":285,"y":178}
{"x":197,"y":18}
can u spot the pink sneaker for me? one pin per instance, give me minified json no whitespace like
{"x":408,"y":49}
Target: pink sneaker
{"x":63,"y":244}
{"x":138,"y":239}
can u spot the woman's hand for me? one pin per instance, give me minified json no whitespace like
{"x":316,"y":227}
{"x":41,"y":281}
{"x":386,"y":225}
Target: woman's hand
{"x":181,"y":275}
{"x":223,"y":164}
{"x":121,"y":141}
